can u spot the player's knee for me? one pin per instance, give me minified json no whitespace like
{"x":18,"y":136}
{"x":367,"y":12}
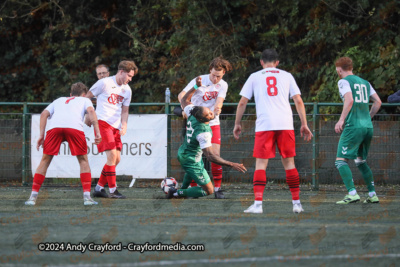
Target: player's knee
{"x":340,"y":163}
{"x":209,"y":190}
{"x":359,"y":162}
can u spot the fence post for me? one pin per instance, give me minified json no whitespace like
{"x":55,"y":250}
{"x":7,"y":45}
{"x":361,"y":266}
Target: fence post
{"x":24,"y":141}
{"x":315,"y":182}
{"x":167,"y":111}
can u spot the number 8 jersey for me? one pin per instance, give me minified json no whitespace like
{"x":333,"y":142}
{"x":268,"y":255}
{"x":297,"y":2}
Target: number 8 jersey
{"x":272,"y":88}
{"x":361,"y":89}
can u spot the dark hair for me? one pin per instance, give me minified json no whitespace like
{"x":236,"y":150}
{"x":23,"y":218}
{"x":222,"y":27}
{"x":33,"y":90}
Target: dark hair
{"x":269,"y":55}
{"x":345,"y":63}
{"x":77,"y":89}
{"x":220,"y":64}
{"x":127,"y":66}
{"x":198,"y":112}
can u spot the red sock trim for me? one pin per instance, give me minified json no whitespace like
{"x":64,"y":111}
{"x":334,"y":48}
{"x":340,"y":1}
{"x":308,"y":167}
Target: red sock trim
{"x":193,"y":183}
{"x":111,"y":176}
{"x":293,"y":181}
{"x":37,"y":182}
{"x":259,"y":182}
{"x":216,"y":171}
{"x":86,"y":180}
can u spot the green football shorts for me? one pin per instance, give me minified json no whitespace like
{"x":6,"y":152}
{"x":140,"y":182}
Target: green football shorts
{"x":195,"y":171}
{"x":354,"y":142}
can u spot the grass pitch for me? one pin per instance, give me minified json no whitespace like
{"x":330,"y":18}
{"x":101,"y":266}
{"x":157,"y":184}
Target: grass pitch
{"x":326,"y":234}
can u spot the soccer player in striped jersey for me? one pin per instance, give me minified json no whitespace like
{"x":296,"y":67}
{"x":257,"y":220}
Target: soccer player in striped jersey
{"x":271,"y":88}
{"x":356,"y":129}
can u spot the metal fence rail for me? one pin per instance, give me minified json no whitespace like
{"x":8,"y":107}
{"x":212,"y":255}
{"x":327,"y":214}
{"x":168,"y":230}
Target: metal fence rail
{"x":314,"y":160}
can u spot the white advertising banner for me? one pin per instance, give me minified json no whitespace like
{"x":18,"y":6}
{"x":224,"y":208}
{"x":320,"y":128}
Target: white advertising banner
{"x":143,"y":154}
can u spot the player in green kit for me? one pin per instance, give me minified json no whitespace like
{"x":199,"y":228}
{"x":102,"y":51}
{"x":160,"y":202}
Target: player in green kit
{"x":356,"y":127}
{"x":197,"y":141}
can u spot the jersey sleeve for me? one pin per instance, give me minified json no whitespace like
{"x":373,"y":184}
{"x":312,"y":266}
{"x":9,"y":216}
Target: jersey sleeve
{"x":294,"y":88}
{"x":344,"y":87}
{"x":50,"y":108}
{"x":224,"y":89}
{"x":97,"y":88}
{"x":188,"y":109}
{"x":88,"y":103}
{"x":372,"y":90}
{"x":204,"y":139}
{"x":247,"y":89}
{"x":190,"y":85}
{"x":127,"y":100}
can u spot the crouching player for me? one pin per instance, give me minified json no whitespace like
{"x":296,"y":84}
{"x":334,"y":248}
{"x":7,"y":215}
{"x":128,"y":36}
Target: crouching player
{"x":66,"y":116}
{"x":197,"y":141}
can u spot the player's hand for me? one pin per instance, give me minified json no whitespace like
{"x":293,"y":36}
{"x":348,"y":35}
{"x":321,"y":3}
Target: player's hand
{"x":306,"y":133}
{"x":217,"y":111}
{"x":97,"y":139}
{"x":184,"y":115}
{"x":339,"y":126}
{"x":87,"y":121}
{"x":239,"y":167}
{"x":122,"y":132}
{"x":237,"y":131}
{"x":198,"y":81}
{"x":40,"y":142}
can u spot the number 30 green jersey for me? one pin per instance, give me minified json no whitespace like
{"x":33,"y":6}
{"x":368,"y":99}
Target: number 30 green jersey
{"x":361,"y":89}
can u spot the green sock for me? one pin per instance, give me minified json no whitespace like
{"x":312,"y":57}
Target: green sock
{"x":367,"y":175}
{"x":186,"y":182}
{"x":196,"y":191}
{"x":346,"y":174}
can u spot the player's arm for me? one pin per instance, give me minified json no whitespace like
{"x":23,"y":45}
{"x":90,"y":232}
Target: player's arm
{"x":185,"y":101}
{"x":88,"y":120}
{"x":239,"y":114}
{"x":124,"y":119}
{"x":301,"y":110}
{"x":92,"y":117}
{"x":218,"y":105}
{"x":211,"y":156}
{"x":348,"y":104}
{"x":376,"y":105}
{"x":42,"y":126}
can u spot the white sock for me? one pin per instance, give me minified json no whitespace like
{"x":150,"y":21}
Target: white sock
{"x":86,"y":194}
{"x":216,"y":189}
{"x":296,"y":201}
{"x":353,"y":192}
{"x":371,"y":194}
{"x":258,"y":202}
{"x":34,"y":194}
{"x":112,"y":190}
{"x":98,"y":188}
{"x":175,"y":194}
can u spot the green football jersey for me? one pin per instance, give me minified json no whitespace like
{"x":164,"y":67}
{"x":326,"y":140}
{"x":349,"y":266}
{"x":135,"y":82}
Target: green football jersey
{"x":191,"y":150}
{"x":361,"y":89}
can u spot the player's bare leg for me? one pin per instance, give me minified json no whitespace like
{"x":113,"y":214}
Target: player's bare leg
{"x":86,"y":179}
{"x":259,"y":183}
{"x":293,"y":181}
{"x":39,"y":178}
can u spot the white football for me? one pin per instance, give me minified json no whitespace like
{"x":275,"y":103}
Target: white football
{"x":167,"y":182}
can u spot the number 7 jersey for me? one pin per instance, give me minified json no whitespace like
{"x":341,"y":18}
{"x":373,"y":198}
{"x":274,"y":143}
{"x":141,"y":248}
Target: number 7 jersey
{"x":361,"y":90}
{"x":271,"y":88}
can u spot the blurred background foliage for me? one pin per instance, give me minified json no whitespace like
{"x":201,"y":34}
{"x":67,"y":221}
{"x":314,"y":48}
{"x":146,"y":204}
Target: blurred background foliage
{"x":46,"y":45}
